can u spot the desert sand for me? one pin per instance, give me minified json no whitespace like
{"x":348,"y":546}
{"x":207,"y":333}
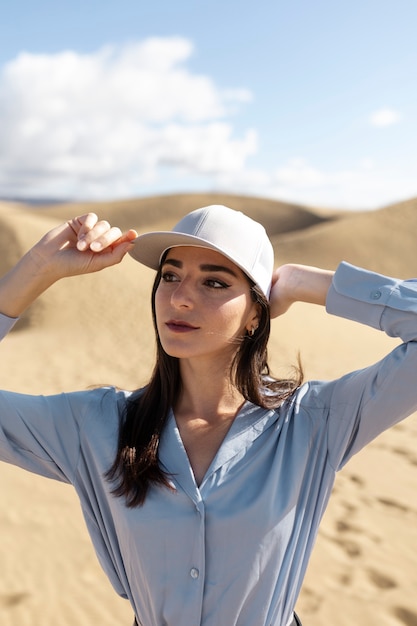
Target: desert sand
{"x":97,"y":330}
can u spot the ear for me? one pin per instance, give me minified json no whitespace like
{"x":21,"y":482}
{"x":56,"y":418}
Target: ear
{"x":254,"y":318}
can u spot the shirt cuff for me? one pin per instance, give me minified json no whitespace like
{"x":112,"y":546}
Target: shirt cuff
{"x":6,"y":324}
{"x":360,"y":295}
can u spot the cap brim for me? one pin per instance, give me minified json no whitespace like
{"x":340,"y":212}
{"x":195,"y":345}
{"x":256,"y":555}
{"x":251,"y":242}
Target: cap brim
{"x":150,"y":247}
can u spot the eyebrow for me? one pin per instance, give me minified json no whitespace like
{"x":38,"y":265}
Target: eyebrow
{"x":205,"y":267}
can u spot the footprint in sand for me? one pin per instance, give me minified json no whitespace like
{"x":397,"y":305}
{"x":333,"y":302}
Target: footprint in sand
{"x":393,"y":504}
{"x":342,"y":526}
{"x":407,"y":617}
{"x":311,"y":600}
{"x":380,"y":580}
{"x":13,"y":599}
{"x":358,"y":480}
{"x":345,"y":526}
{"x":351,"y":548}
{"x":345,"y":579}
{"x":410,"y":456}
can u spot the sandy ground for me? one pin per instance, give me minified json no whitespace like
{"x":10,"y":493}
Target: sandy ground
{"x":97,"y":330}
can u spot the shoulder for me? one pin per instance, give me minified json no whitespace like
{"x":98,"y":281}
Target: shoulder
{"x":104,"y":405}
{"x":312,"y":393}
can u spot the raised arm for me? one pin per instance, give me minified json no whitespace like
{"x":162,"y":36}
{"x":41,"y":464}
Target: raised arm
{"x":80,"y":246}
{"x":298,"y":283}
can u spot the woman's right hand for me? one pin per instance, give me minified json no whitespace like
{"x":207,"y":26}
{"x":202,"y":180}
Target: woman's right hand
{"x":82,"y":245}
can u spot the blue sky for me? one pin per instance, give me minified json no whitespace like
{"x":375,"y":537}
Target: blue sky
{"x":311,"y":101}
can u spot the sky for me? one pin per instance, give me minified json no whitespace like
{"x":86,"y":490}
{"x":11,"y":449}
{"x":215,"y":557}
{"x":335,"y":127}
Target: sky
{"x":307,"y":101}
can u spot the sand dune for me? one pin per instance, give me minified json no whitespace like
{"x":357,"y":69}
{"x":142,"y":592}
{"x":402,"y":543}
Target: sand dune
{"x":164,"y":211}
{"x":96,"y":329}
{"x":382,"y":240}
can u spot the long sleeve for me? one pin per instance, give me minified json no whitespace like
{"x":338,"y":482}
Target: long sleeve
{"x":38,"y":433}
{"x":366,"y":402}
{"x":42,"y":433}
{"x":384,"y":303}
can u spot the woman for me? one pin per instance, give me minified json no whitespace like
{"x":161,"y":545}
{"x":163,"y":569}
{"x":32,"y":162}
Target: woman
{"x":203,"y":492}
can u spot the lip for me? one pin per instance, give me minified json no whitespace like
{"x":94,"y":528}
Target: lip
{"x":179,"y":326}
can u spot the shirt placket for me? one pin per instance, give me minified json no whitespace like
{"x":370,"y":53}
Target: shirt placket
{"x":197,"y":570}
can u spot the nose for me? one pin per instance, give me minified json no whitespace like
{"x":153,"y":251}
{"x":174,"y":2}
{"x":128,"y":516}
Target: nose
{"x":181,"y":296}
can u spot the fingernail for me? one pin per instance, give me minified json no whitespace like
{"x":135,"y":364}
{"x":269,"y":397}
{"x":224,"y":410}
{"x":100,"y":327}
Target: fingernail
{"x":81,"y":244}
{"x":96,"y":246}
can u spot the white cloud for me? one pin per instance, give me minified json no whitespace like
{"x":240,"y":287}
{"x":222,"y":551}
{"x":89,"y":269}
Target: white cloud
{"x":384,"y":117}
{"x":101,"y":124}
{"x":298,"y":172}
{"x":135,"y":119}
{"x":362,"y":187}
{"x":366,"y":163}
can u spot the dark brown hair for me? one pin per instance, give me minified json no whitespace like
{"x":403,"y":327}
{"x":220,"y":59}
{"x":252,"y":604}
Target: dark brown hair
{"x":136,"y":466}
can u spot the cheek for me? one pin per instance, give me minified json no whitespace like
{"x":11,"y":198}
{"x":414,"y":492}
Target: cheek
{"x":235,"y":315}
{"x":158,"y":304}
{"x":159,"y":298}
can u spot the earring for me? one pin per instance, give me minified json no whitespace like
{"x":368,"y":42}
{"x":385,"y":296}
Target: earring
{"x":252,"y":331}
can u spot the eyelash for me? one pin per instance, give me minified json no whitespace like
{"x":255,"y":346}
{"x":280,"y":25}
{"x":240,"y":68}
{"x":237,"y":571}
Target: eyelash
{"x":211,"y":283}
{"x":222,"y":284}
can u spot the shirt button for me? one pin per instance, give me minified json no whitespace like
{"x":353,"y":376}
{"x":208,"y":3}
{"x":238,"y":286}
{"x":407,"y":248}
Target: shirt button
{"x":194,"y":573}
{"x":376,"y":294}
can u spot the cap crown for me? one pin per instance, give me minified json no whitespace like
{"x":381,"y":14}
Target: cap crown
{"x":235,"y":235}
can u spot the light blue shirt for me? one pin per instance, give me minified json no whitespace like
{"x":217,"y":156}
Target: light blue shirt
{"x":234,"y":551}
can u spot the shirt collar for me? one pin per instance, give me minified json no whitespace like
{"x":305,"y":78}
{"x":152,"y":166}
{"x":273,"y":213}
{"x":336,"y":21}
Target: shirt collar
{"x":250,"y":422}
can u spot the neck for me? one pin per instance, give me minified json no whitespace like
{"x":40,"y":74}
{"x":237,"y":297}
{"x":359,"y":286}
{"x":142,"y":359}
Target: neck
{"x":207,"y":392}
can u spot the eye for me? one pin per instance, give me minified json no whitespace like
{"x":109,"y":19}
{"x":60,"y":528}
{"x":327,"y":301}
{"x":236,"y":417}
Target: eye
{"x":215,"y":283}
{"x":168,"y":277}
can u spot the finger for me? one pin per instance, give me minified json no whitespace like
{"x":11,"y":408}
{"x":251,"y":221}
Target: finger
{"x":112,"y":239}
{"x":129,"y":236}
{"x":83,"y":224}
{"x":112,"y":255}
{"x":92,"y":234}
{"x":120,"y":250}
{"x":106,"y":240}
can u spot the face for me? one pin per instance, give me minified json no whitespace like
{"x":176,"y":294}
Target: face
{"x":203,"y":304}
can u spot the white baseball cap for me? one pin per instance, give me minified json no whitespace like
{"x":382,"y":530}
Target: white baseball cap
{"x":235,"y":235}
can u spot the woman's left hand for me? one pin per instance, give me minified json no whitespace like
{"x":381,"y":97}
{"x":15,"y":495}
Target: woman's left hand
{"x":298,"y":283}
